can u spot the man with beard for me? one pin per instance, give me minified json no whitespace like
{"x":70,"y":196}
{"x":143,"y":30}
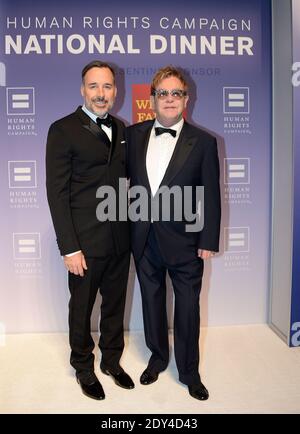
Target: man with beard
{"x":86,"y":150}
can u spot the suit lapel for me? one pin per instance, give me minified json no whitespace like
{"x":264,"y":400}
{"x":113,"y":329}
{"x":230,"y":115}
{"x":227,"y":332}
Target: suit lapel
{"x":143,"y":135}
{"x":114,"y":136}
{"x":183,"y":148}
{"x":92,"y":127}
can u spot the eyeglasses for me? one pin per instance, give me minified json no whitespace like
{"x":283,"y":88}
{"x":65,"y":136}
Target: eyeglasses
{"x":163,"y":93}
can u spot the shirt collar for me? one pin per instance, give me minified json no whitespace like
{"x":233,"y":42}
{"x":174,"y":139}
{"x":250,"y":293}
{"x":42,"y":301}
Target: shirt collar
{"x":177,"y":127}
{"x":90,"y":114}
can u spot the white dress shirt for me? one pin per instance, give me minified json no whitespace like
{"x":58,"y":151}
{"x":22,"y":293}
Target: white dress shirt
{"x":159,"y":153}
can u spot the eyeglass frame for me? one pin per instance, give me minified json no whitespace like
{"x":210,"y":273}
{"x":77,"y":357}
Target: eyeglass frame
{"x":158,"y":93}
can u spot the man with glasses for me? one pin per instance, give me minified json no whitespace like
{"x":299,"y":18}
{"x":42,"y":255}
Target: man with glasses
{"x":170,"y":153}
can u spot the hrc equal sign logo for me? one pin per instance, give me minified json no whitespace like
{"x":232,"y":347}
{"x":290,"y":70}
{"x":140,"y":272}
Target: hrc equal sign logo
{"x":20,"y":100}
{"x":236,"y":239}
{"x":236,"y":100}
{"x":22,"y":174}
{"x":237,"y":171}
{"x":26,"y":245}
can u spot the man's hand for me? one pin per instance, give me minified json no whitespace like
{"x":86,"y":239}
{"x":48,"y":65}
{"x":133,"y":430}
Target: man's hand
{"x":75,"y":263}
{"x":205,"y":254}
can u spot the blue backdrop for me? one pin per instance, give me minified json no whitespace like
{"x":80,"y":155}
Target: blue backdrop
{"x":295,"y":302}
{"x":224,"y":47}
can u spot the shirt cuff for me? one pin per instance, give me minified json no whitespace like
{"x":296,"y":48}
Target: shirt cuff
{"x":72,"y":254}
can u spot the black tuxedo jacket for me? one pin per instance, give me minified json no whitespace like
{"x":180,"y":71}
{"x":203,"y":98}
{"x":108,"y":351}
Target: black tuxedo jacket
{"x":79,"y":159}
{"x":194,"y":163}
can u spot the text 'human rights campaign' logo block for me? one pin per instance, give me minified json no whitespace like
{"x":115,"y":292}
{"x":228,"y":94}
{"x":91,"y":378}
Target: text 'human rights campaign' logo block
{"x":20,"y":101}
{"x":27,"y":245}
{"x":237,"y":240}
{"x":236,"y":100}
{"x":22,"y":174}
{"x":237,"y":171}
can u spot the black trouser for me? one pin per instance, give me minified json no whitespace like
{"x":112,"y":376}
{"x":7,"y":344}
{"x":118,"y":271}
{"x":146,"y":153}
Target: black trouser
{"x":186,"y":279}
{"x":108,"y":274}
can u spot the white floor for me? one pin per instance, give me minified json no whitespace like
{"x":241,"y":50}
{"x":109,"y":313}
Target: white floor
{"x":247,"y":369}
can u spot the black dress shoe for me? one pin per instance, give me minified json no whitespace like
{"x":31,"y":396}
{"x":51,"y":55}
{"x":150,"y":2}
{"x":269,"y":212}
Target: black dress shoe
{"x":92,"y":389}
{"x":148,"y":377}
{"x":199,"y":391}
{"x":121,"y":378}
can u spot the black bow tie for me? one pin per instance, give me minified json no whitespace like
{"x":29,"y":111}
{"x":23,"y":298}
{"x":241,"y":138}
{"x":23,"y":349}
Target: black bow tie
{"x":159,"y":130}
{"x":104,"y":121}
